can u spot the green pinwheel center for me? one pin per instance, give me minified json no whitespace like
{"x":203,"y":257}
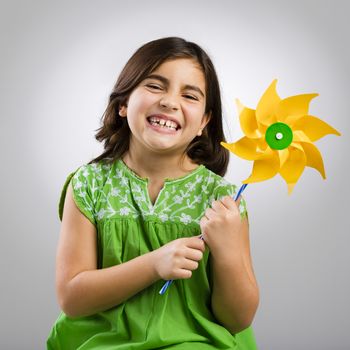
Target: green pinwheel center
{"x":279,"y":136}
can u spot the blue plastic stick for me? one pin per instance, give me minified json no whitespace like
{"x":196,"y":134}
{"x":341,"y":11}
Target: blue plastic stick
{"x":168,"y":283}
{"x":165,"y":287}
{"x":241,"y":191}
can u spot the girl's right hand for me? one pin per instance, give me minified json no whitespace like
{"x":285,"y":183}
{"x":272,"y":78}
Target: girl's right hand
{"x":177,"y":259}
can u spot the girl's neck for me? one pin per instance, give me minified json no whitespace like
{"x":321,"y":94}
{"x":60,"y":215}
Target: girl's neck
{"x":157,"y":167}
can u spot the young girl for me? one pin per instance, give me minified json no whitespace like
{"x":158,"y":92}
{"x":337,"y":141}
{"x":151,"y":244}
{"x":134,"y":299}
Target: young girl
{"x":133,"y":217}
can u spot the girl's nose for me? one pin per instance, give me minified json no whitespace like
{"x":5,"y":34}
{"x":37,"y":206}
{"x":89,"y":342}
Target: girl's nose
{"x":169,"y":102}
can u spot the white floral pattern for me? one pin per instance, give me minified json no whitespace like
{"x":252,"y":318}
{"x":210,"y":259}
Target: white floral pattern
{"x":106,"y":191}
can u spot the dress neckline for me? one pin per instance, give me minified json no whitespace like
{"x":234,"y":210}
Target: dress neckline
{"x":166,"y":180}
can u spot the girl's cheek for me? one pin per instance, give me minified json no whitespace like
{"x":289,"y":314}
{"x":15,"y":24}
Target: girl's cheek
{"x":142,"y":102}
{"x":149,"y":99}
{"x":193,"y":111}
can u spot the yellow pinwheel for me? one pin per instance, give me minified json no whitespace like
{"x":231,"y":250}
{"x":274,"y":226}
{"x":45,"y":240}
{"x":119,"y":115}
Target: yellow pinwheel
{"x":279,"y":137}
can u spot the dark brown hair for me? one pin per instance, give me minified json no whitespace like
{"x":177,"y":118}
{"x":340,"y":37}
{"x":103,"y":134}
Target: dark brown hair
{"x":115,"y":132}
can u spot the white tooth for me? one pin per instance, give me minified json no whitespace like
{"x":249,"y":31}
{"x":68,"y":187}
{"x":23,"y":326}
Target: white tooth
{"x":163,"y":123}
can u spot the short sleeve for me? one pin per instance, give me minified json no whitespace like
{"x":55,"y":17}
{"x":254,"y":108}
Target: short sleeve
{"x":81,"y":193}
{"x":228,"y":189}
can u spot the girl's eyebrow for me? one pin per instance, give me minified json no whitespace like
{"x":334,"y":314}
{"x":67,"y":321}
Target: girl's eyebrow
{"x":165,"y":81}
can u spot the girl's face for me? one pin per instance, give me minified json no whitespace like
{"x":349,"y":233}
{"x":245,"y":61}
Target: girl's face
{"x":165,"y":111}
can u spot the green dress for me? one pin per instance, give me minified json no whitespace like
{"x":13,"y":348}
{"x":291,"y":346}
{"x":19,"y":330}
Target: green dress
{"x":117,"y":202}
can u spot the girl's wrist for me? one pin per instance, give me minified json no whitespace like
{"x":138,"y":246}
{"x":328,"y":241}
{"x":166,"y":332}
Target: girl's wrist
{"x":227,"y":257}
{"x":229,"y":250}
{"x":153,"y":263}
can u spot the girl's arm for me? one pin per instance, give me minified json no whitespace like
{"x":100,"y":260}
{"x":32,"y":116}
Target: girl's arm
{"x":83,"y":290}
{"x":235,"y":294}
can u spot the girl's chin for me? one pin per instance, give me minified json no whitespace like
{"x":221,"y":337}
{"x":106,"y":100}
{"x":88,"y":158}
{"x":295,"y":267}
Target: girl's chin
{"x":160,"y":144}
{"x":162,"y":147}
{"x":162,"y":140}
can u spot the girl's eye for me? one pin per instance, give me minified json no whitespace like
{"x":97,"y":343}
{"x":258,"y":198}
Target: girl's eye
{"x":153,"y":86}
{"x":191,"y":97}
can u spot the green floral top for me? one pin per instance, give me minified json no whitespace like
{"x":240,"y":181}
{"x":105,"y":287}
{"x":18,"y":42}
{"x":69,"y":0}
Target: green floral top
{"x":117,"y":202}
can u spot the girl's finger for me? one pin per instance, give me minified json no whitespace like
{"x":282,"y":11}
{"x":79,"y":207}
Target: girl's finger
{"x":188,"y":264}
{"x":203,"y":221}
{"x":194,"y":254}
{"x":229,"y":202}
{"x":238,"y":201}
{"x":196,"y":243}
{"x":218,"y":206}
{"x":209,"y":213}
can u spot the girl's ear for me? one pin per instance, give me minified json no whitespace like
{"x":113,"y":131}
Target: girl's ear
{"x":205,"y":121}
{"x":123,"y":111}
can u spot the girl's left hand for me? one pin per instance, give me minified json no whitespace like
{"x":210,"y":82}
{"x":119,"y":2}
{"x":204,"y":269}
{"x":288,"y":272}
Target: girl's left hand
{"x":221,"y":225}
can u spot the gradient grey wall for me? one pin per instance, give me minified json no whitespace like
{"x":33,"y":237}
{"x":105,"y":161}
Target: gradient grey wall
{"x":59,"y":61}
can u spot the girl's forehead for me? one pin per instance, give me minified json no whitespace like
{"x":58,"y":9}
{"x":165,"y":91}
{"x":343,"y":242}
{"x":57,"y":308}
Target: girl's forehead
{"x":187,"y":69}
{"x":180,"y":63}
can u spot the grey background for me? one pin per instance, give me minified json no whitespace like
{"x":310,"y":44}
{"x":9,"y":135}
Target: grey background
{"x":59,"y":61}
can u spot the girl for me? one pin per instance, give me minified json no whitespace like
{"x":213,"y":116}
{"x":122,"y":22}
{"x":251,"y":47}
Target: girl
{"x":133,"y":217}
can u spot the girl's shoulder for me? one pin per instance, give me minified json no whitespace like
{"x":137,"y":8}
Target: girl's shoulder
{"x":93,"y":171}
{"x":222,"y":187}
{"x":86,"y":180}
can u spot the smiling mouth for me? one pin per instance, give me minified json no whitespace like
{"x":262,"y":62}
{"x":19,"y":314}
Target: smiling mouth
{"x":162,"y":123}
